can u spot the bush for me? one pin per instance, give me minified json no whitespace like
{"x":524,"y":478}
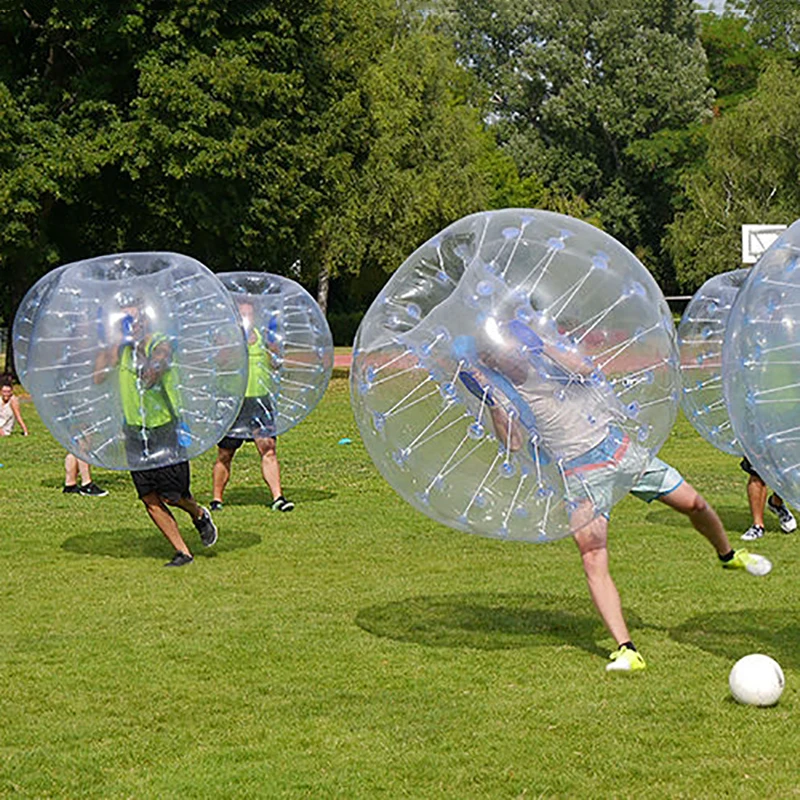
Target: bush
{"x":344,"y":326}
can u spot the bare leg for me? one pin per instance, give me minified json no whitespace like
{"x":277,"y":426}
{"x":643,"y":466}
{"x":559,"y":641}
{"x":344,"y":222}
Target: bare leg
{"x":757,"y":498}
{"x":189,"y":505}
{"x":270,"y":469}
{"x":592,"y":541}
{"x":86,"y":475}
{"x":704,"y":519}
{"x":70,"y":470}
{"x":221,"y":473}
{"x":165,"y":522}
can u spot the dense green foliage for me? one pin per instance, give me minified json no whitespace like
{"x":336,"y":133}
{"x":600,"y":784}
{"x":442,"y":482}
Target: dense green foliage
{"x":750,"y":173}
{"x":577,"y":85}
{"x":356,"y":649}
{"x":329,"y":138}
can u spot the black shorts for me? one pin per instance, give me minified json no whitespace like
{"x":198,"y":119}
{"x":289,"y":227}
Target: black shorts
{"x":171,"y":482}
{"x":146,"y":446}
{"x":230,"y":443}
{"x":257,"y":416}
{"x":748,"y":468}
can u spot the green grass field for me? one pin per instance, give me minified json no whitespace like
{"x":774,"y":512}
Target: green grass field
{"x":356,"y":649}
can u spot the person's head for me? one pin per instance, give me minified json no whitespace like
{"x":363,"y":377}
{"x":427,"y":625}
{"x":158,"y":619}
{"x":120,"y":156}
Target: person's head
{"x":247,"y":312}
{"x":499,"y":349}
{"x":132,"y":314}
{"x":6,"y":391}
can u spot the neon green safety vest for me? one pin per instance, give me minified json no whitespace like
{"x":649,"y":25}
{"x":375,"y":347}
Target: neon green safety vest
{"x":151,"y":407}
{"x":259,"y":374}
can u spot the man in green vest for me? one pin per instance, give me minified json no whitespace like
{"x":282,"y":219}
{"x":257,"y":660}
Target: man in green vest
{"x":142,"y":363}
{"x":257,"y":415}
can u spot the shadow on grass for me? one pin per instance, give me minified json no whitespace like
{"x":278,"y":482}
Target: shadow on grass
{"x":260,"y":496}
{"x":732,"y":635}
{"x":490,"y":621}
{"x":134,"y":543}
{"x":736,"y":519}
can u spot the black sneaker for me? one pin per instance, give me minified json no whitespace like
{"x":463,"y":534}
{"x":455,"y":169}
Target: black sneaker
{"x":215,"y":505}
{"x":92,"y":490}
{"x":206,"y":528}
{"x":282,"y":504}
{"x":74,"y":489}
{"x":180,"y":560}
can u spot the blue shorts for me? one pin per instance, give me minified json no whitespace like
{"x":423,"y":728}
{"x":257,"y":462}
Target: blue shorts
{"x":658,"y":479}
{"x":616,"y":466}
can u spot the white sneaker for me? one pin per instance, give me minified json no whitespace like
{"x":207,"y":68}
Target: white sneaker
{"x":785,"y":517}
{"x":752,"y":533}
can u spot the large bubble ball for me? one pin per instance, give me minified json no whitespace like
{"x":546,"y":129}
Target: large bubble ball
{"x":701,"y":333}
{"x":136,"y":360}
{"x":290,"y":352}
{"x":515,"y":375}
{"x":761,"y":365}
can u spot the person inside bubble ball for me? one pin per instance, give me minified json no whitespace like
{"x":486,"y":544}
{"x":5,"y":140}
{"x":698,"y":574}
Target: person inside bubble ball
{"x":142,"y":363}
{"x":257,"y":415}
{"x":9,"y":410}
{"x":575,"y":418}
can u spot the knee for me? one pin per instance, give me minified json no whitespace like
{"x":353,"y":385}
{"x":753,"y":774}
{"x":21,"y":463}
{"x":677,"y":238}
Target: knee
{"x":268,"y":449}
{"x":225,"y":457}
{"x":592,"y":543}
{"x":152,"y":502}
{"x":698,"y":505}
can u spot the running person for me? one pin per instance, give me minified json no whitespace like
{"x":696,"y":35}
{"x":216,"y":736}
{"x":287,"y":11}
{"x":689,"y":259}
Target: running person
{"x":593,"y":450}
{"x":153,"y":431}
{"x":257,"y":416}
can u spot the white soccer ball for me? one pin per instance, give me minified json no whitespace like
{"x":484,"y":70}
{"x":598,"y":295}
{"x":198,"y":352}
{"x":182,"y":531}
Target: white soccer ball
{"x":756,"y":680}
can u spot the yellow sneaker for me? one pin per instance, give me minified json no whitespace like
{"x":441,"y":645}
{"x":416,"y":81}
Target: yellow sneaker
{"x":624,"y":659}
{"x":754,"y":564}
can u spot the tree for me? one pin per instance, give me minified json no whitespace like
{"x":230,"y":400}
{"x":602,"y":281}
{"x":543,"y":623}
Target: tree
{"x":734,"y":56}
{"x":576,"y":86}
{"x":750,"y":175}
{"x":400,"y":151}
{"x":169,"y":126}
{"x":330,"y":134}
{"x":774,"y":23}
{"x":53,"y":137}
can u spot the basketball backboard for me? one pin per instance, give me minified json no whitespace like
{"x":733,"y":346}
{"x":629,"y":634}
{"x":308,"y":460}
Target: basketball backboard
{"x":756,"y":239}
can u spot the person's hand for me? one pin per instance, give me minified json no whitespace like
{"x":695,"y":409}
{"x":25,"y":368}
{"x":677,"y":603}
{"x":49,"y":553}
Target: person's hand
{"x":126,"y":326}
{"x":152,"y":373}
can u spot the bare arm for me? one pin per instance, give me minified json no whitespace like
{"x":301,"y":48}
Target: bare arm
{"x":107,"y":359}
{"x":157,"y":364}
{"x":506,"y":427}
{"x":569,"y":360}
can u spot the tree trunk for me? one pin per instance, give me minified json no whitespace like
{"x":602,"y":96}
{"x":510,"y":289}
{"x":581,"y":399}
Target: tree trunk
{"x":323,"y":286}
{"x":9,"y":370}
